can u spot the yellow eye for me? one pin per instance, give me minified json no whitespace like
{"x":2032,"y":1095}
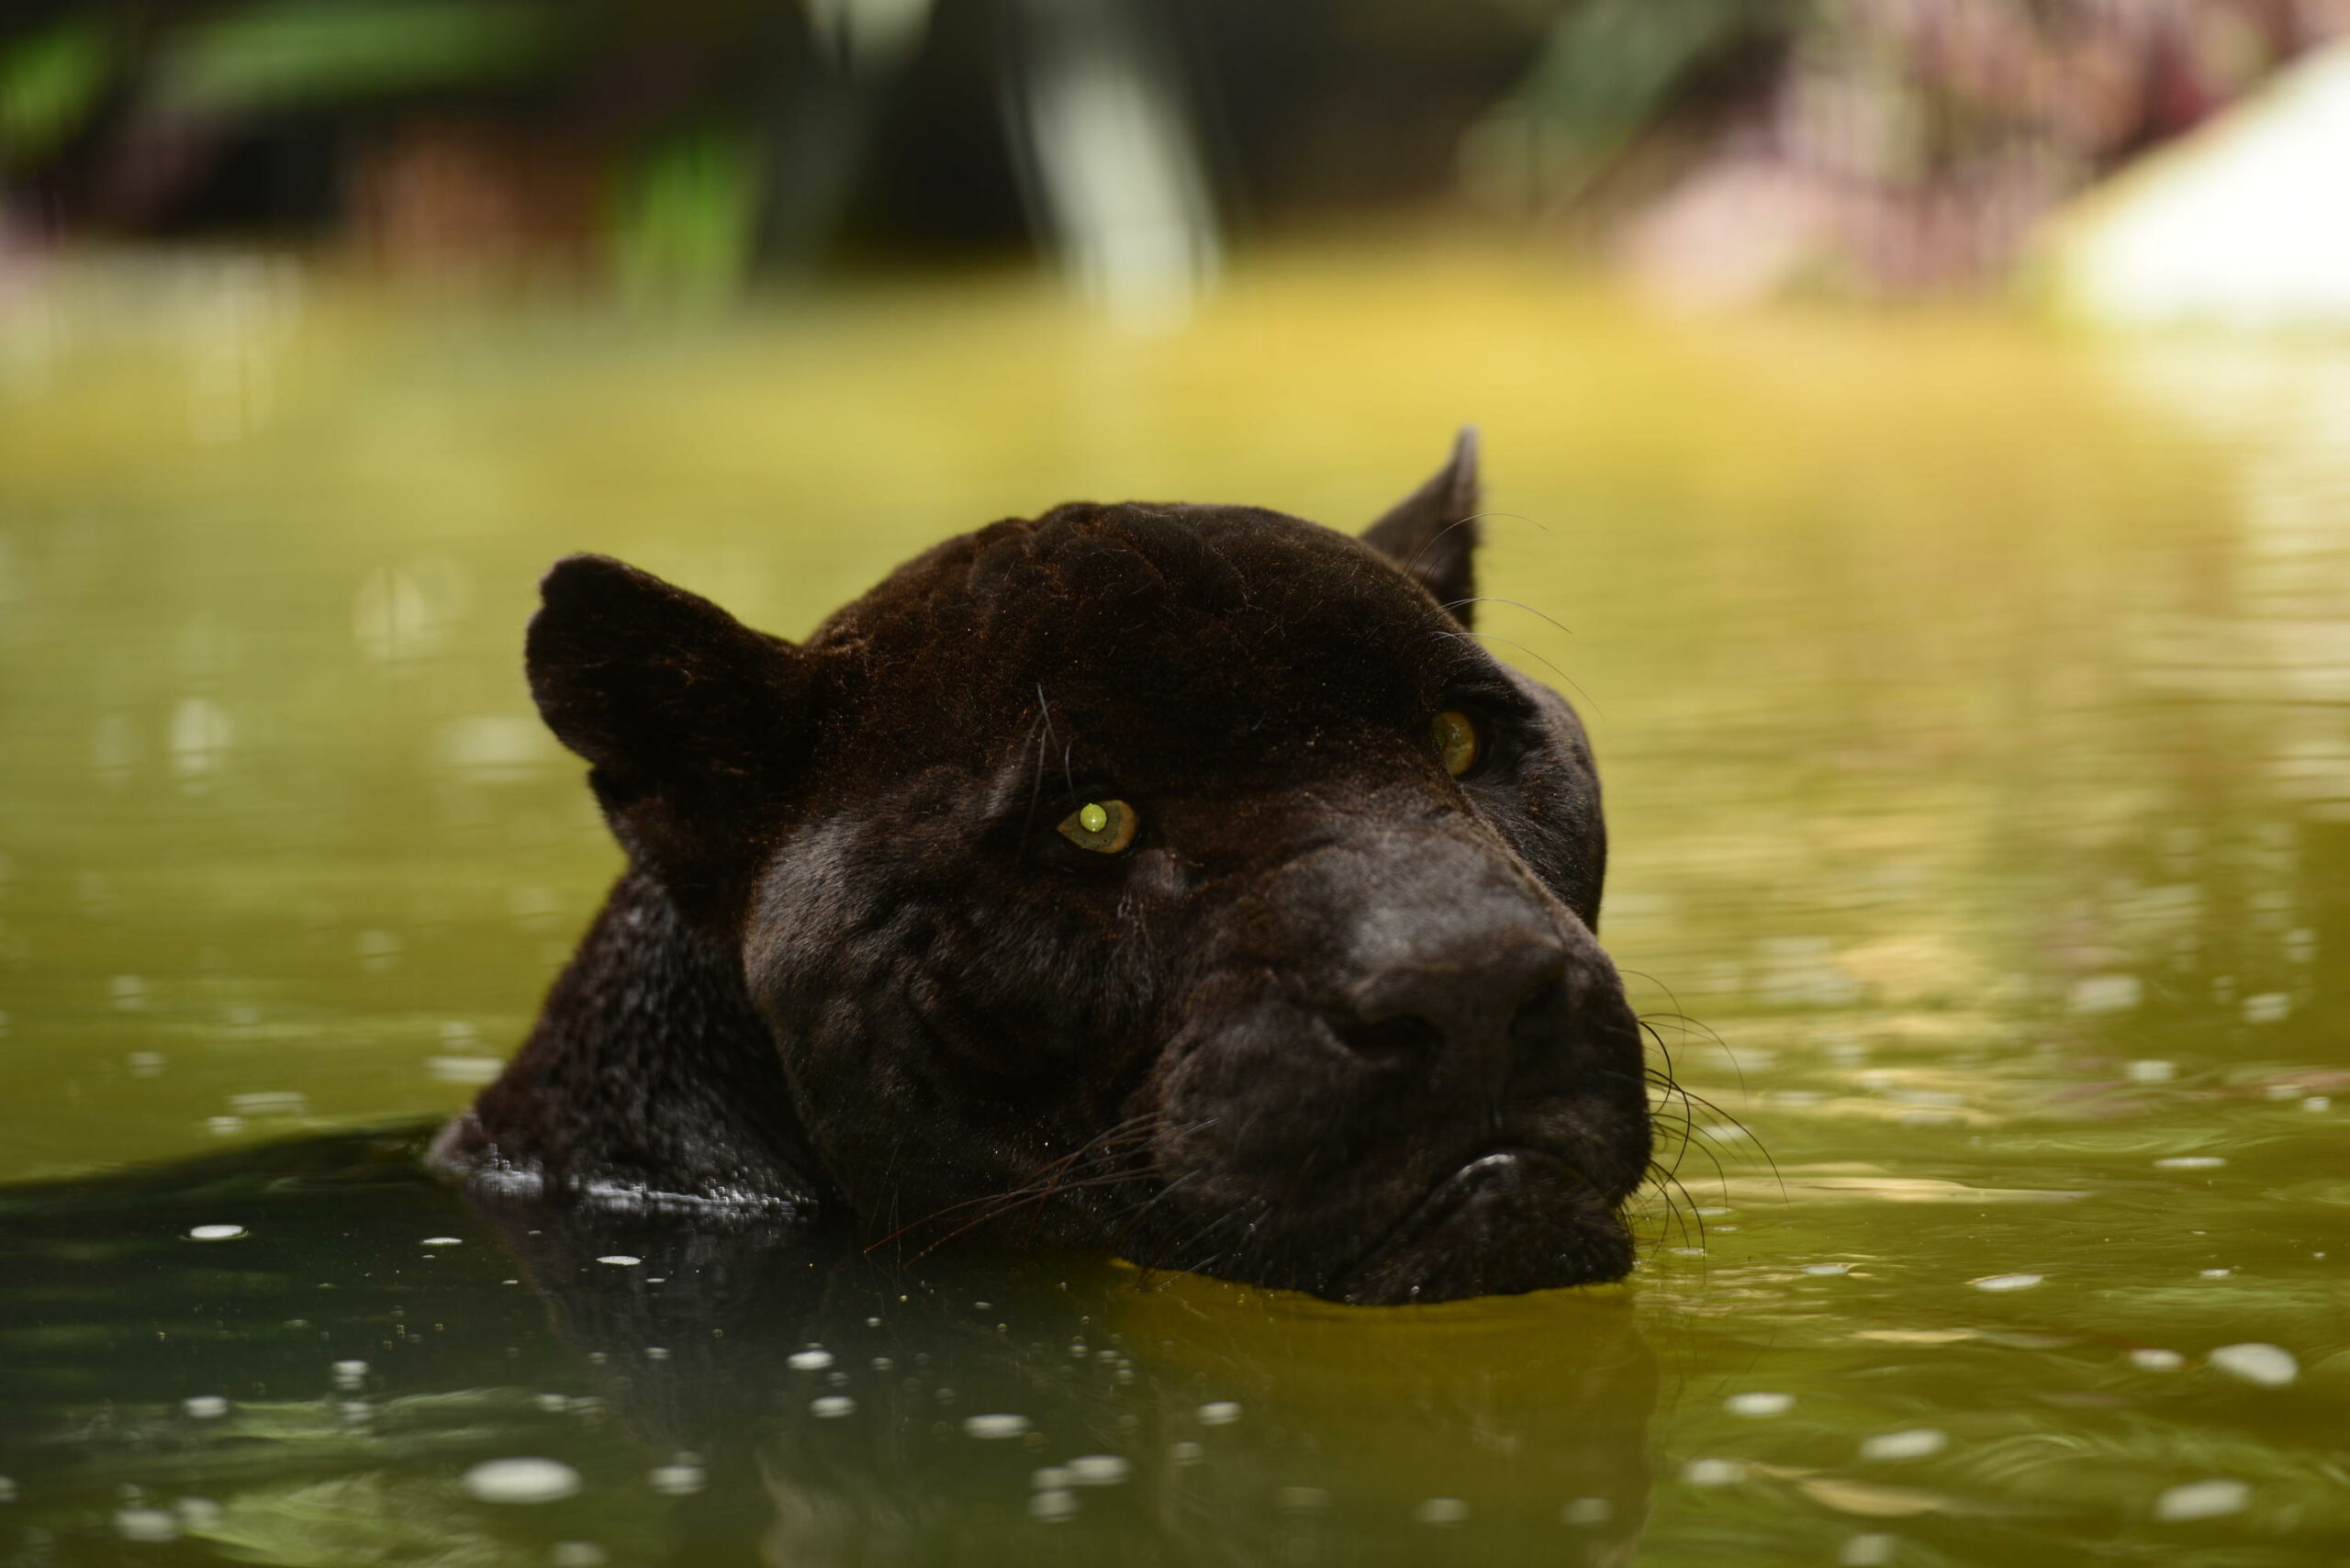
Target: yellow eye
{"x":1103,"y":826}
{"x":1456,"y":741}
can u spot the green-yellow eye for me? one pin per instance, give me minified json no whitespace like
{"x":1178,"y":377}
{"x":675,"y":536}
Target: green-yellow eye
{"x":1456,"y":741}
{"x":1103,"y":826}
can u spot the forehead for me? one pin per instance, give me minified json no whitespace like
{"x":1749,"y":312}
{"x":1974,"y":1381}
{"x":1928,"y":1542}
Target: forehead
{"x":1160,"y":634}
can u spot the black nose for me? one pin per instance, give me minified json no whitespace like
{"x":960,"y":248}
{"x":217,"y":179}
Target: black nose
{"x":1456,"y":992}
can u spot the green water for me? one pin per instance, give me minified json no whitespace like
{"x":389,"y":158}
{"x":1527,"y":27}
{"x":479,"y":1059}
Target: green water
{"x":1971,"y":704}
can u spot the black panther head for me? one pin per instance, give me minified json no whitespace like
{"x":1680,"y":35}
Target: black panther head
{"x":1184,"y":880}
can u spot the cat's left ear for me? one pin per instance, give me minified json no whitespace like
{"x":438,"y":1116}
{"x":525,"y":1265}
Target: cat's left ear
{"x":1432,"y":532}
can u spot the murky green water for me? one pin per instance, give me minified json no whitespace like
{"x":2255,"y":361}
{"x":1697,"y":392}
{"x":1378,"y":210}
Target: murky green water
{"x":1973,"y":709}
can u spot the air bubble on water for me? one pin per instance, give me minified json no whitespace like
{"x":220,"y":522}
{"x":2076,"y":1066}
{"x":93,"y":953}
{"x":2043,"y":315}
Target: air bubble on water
{"x":146,"y":1525}
{"x":1098,"y":1470}
{"x":678,"y":1480}
{"x":809,"y":1360}
{"x":271,"y":1103}
{"x":1759,"y":1404}
{"x":2318,"y":1103}
{"x":2151,"y":1071}
{"x":129,"y":992}
{"x":224,"y":1127}
{"x":620,"y":1260}
{"x":145,"y":1064}
{"x":204,"y":1406}
{"x":216,"y":1233}
{"x":378,"y":950}
{"x":1587,"y":1511}
{"x":1052,"y":1507}
{"x":470,"y":1070}
{"x":576,"y":1554}
{"x":1051,"y":1478}
{"x":995,"y":1427}
{"x":2150,"y":1359}
{"x":8,"y":1490}
{"x":1302,"y":1500}
{"x":2270,"y":1366}
{"x":442,"y":1241}
{"x":1713,"y":1471}
{"x":1914,"y":1442}
{"x":1826,"y":1270}
{"x":200,"y":1513}
{"x":2213,"y":1273}
{"x":2006,"y":1282}
{"x":2202,"y":1500}
{"x":1185,"y":1453}
{"x":1219,"y":1413}
{"x":1440,"y":1511}
{"x":2270,"y":1007}
{"x":522,"y":1480}
{"x":349,"y":1374}
{"x":1687,"y":1251}
{"x":656,"y":1353}
{"x":553,"y":1404}
{"x":1873,"y":1550}
{"x":2190,"y":1162}
{"x":832,"y":1406}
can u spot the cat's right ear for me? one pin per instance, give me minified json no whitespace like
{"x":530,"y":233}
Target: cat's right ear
{"x":694,"y":724}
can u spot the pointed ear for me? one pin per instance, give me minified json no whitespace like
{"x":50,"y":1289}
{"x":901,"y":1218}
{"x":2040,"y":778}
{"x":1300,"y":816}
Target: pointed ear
{"x":1432,"y":532}
{"x":693,"y":722}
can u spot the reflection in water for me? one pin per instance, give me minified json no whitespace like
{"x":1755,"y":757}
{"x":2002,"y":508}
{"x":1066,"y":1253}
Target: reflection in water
{"x":312,"y":1349}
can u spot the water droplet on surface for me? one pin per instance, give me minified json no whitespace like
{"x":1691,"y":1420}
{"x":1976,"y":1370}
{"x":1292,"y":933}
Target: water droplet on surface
{"x":1826,"y":1270}
{"x":2151,"y":1071}
{"x":2202,"y":1500}
{"x":442,"y":1241}
{"x":1759,"y":1404}
{"x":1052,"y":1507}
{"x":146,"y":1524}
{"x":2006,"y":1282}
{"x":206,"y":1407}
{"x":809,"y":1360}
{"x":1219,"y":1413}
{"x":1098,"y":1470}
{"x":1915,"y":1442}
{"x":2270,"y":1366}
{"x":619,"y":1261}
{"x":832,"y":1406}
{"x":216,"y":1233}
{"x":678,"y":1480}
{"x":1713,"y":1472}
{"x":2151,"y":1359}
{"x":522,"y":1480}
{"x":996,"y":1426}
{"x":2190,"y":1162}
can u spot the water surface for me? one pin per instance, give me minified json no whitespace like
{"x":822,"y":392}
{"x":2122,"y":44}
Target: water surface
{"x":1971,"y":705}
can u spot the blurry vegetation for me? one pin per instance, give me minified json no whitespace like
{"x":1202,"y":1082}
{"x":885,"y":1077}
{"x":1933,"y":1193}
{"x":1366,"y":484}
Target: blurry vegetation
{"x":1721,"y":146}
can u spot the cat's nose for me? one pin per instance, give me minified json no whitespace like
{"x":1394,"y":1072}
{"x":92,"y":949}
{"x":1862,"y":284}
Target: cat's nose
{"x":1462,"y":995}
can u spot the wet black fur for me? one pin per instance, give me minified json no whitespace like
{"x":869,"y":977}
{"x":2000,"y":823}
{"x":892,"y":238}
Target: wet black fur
{"x":1336,"y":1021}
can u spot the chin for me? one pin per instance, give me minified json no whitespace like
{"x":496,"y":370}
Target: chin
{"x":1504,"y":1223}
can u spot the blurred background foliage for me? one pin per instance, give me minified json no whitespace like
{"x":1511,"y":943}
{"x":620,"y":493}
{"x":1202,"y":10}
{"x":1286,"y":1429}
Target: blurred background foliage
{"x":694,"y":148}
